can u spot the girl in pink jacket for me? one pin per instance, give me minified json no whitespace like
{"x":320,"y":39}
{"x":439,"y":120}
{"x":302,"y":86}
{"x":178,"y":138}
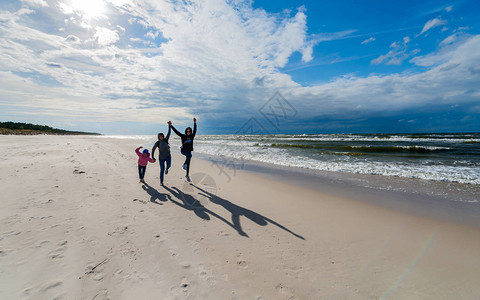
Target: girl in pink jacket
{"x":143,"y":159}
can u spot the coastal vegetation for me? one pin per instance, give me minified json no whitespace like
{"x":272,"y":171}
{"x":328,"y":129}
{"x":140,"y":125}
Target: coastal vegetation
{"x":18,"y":128}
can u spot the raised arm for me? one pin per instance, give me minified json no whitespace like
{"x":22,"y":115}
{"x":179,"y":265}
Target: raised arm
{"x":168,"y":134}
{"x":176,"y":131}
{"x":194,"y":126}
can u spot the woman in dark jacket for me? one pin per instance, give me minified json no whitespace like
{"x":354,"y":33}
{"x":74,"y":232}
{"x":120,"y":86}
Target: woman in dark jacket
{"x":187,"y":144}
{"x":163,"y":153}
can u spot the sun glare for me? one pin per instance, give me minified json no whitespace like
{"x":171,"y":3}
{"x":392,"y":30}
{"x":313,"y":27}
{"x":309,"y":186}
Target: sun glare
{"x":90,"y":8}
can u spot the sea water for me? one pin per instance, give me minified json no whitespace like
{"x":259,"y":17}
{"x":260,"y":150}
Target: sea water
{"x":436,"y":157}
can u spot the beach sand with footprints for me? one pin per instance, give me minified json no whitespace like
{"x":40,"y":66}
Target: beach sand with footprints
{"x":76,"y":224}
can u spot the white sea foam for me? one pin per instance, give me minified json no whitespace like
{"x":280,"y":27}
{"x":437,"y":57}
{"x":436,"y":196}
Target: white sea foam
{"x":346,"y":138}
{"x":257,"y":148}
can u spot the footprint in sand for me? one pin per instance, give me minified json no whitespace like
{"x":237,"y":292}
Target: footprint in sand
{"x":223,"y":233}
{"x":28,"y":291}
{"x":101,"y":295}
{"x":173,"y":252}
{"x":52,"y":285}
{"x":283,"y":289}
{"x":96,"y":270}
{"x":13,"y":219}
{"x":141,"y":201}
{"x":118,"y":231}
{"x":42,"y":244}
{"x":184,"y":284}
{"x":185,"y":265}
{"x":193,"y":243}
{"x":206,"y":275}
{"x":58,"y":253}
{"x":41,"y":218}
{"x":242,"y":264}
{"x":212,"y":281}
{"x":98,"y":277}
{"x":9,"y":234}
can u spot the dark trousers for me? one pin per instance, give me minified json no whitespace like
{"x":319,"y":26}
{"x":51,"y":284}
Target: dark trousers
{"x":141,"y":171}
{"x":188,"y":157}
{"x":162,"y":162}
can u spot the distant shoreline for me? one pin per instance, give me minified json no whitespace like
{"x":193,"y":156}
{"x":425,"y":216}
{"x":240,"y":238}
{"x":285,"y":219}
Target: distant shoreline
{"x":15,"y":128}
{"x":5,"y":131}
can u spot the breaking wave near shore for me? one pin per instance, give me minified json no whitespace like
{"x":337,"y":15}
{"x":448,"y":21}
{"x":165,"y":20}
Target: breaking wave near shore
{"x":438,"y":157}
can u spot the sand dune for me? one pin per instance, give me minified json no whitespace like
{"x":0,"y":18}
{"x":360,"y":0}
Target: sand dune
{"x":76,"y":224}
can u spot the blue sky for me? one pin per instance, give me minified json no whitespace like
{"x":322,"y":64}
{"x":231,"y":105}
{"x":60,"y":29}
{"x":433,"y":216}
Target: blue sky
{"x":127,"y":67}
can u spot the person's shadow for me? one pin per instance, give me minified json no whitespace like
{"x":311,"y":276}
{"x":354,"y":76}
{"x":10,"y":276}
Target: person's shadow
{"x":155,"y":196}
{"x":238,"y":211}
{"x":190,"y":203}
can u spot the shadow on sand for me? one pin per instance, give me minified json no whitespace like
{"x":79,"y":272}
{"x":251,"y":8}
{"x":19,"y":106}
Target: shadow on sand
{"x":155,"y":196}
{"x":188,"y":202}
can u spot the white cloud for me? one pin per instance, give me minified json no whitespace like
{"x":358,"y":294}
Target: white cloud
{"x":449,"y":40}
{"x":105,"y":36}
{"x":151,"y":35}
{"x":432,"y":24}
{"x":446,"y":51}
{"x":462,"y":29}
{"x":67,"y":9}
{"x":397,"y":55}
{"x":205,"y":59}
{"x":36,"y":3}
{"x":325,"y":37}
{"x":73,"y":39}
{"x":369,"y":40}
{"x":449,"y":8}
{"x":450,"y":80}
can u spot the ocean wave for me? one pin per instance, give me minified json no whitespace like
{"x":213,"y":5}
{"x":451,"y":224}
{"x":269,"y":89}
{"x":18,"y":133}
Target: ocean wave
{"x":435,"y":172}
{"x":438,"y":162}
{"x":455,"y":139}
{"x":377,"y":149}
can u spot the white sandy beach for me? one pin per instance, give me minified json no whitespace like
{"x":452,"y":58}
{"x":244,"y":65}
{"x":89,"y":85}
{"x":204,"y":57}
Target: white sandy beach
{"x":76,"y":224}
